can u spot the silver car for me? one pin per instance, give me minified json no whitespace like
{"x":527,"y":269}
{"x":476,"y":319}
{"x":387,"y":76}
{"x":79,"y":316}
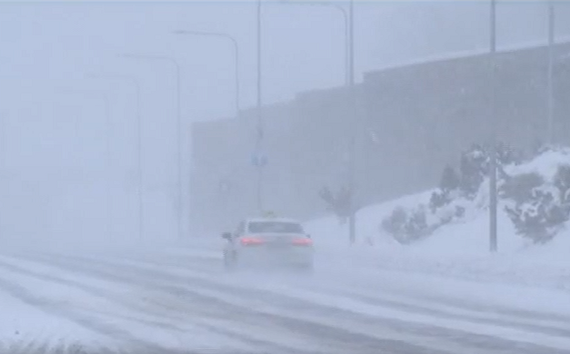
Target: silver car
{"x":265,"y":242}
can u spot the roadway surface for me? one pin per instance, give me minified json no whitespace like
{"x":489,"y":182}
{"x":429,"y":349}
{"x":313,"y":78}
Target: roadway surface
{"x":177,"y":301}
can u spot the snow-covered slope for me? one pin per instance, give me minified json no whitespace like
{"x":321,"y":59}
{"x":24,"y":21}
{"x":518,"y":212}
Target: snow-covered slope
{"x":460,"y":248}
{"x":328,"y":232}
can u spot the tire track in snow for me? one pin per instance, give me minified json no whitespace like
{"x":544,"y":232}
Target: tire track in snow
{"x":526,"y":320}
{"x":480,"y":341}
{"x":549,"y":328}
{"x":33,"y":347}
{"x":442,"y":299}
{"x":212,"y":264}
{"x":344,"y":339}
{"x":57,"y":309}
{"x":128,"y":303}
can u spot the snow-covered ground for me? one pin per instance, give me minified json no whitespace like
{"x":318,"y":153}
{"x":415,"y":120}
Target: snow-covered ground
{"x":180,"y":300}
{"x":460,"y":249}
{"x":443,"y":294}
{"x":176,"y":301}
{"x":23,"y":322}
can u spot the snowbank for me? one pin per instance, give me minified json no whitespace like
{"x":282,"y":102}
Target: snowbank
{"x":460,"y":248}
{"x":546,"y":164}
{"x":328,"y":232}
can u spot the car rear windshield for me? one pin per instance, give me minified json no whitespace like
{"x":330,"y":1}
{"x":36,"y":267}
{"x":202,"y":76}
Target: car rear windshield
{"x":274,"y":226}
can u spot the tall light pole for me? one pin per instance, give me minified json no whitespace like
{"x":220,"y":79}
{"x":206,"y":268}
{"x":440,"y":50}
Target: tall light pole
{"x":551,"y":21}
{"x":176,"y":66}
{"x":493,"y":152}
{"x":347,"y":52}
{"x":235,"y":46}
{"x":260,"y":128}
{"x":3,"y":181}
{"x":352,"y":153}
{"x":136,"y":85}
{"x":346,"y":40}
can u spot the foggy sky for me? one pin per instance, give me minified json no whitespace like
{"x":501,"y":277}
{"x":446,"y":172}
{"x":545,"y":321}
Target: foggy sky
{"x":54,"y":143}
{"x":302,"y":44}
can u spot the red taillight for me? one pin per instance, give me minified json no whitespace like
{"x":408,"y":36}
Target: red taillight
{"x":302,"y":242}
{"x":247,"y":241}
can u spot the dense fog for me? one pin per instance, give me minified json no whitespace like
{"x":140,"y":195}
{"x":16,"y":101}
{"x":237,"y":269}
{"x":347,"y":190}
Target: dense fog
{"x":53,"y":114}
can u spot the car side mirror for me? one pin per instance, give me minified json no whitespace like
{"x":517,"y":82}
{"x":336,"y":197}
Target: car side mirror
{"x":227,"y":235}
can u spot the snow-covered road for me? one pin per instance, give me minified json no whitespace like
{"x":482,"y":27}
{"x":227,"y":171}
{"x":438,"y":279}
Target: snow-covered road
{"x":181,"y":301}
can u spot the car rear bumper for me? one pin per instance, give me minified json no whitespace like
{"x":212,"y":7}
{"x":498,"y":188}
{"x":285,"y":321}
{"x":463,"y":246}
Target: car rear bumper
{"x":262,"y":256}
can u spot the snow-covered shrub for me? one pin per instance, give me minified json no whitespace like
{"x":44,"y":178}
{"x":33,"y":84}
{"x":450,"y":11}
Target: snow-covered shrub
{"x":339,"y":203}
{"x":539,"y":218}
{"x":457,"y":193}
{"x":508,"y":155}
{"x":562,"y":183}
{"x":406,"y":226}
{"x":520,"y":188}
{"x":438,"y":199}
{"x":395,"y":222}
{"x":417,"y":226}
{"x":448,"y":186}
{"x":451,"y":212}
{"x":538,"y":207}
{"x":534,"y":192}
{"x":541,"y":148}
{"x":475,"y":164}
{"x":449,"y":179}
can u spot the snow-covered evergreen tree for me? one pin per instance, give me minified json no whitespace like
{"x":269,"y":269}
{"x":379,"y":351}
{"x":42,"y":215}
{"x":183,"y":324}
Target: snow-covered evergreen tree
{"x":473,"y":166}
{"x":449,"y":179}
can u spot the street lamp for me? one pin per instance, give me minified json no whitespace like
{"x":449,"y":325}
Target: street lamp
{"x":352,"y":98}
{"x":133,"y":81}
{"x":493,"y":152}
{"x":551,"y":20}
{"x":260,"y":132}
{"x":236,"y":55}
{"x":176,"y":65}
{"x":345,"y":15}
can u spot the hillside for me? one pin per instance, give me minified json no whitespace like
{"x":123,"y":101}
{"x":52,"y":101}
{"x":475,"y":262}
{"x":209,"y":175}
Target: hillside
{"x":460,"y":248}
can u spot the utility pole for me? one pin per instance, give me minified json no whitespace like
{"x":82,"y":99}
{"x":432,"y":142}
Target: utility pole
{"x":493,"y":152}
{"x":352,"y":100}
{"x":260,"y":132}
{"x":3,"y":179}
{"x":551,"y":21}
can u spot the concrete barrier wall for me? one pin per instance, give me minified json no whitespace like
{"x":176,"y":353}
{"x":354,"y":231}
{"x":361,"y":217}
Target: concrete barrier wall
{"x":410,"y":122}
